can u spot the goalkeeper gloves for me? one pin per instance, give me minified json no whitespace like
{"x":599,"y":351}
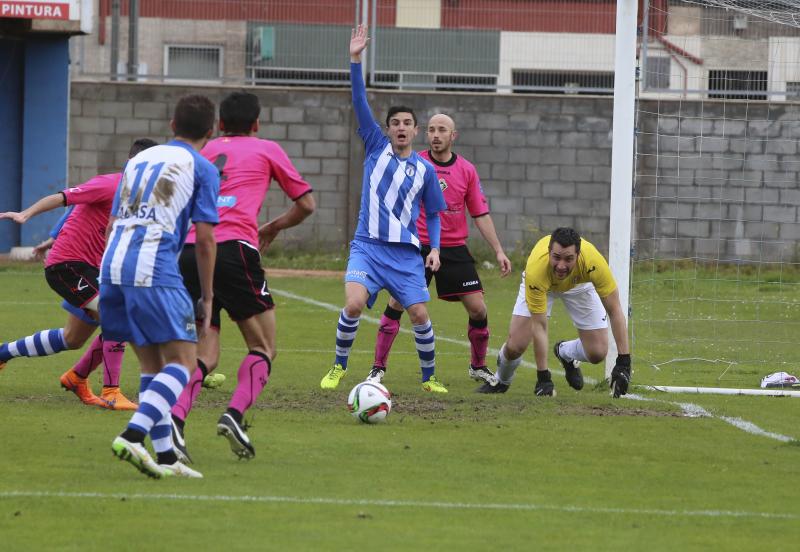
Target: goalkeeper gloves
{"x":621,"y":376}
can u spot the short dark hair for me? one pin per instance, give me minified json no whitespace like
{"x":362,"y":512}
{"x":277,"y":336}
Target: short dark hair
{"x":238,"y":111}
{"x":194,"y":117}
{"x":140,"y":145}
{"x":400,"y":109}
{"x":565,"y":237}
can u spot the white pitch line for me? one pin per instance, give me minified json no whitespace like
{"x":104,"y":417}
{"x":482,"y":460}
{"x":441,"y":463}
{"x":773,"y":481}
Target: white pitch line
{"x":402,"y":504}
{"x":689,"y":409}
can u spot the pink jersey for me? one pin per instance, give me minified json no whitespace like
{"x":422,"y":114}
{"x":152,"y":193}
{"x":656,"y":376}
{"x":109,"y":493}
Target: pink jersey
{"x":83,"y":236}
{"x":462,"y":192}
{"x":247,"y":165}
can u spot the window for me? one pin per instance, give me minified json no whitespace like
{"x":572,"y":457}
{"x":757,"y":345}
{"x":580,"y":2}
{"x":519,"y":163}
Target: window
{"x":551,"y":82}
{"x":193,"y":62}
{"x":735,"y":85}
{"x":466,"y":83}
{"x":793,"y":91}
{"x":657,"y":72}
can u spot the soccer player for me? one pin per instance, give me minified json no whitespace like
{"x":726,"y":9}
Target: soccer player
{"x":142,"y":296}
{"x":384,"y":253}
{"x":564,"y":265}
{"x":247,"y":165}
{"x":71,"y":270}
{"x":457,"y":279}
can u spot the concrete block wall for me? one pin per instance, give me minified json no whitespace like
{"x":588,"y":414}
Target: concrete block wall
{"x":724,"y":184}
{"x":544,"y":161}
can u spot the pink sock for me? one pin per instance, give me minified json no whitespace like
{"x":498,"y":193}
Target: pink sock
{"x":252,"y":377}
{"x":478,"y":343}
{"x":91,"y":358}
{"x":113,"y":351}
{"x":189,"y":394}
{"x":387,"y":331}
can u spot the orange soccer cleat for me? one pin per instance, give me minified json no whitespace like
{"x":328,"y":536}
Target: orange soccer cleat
{"x":71,"y":381}
{"x":113,"y":399}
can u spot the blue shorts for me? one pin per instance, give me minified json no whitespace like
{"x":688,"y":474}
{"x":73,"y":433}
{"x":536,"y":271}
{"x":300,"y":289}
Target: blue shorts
{"x":146,"y":315}
{"x":397,"y":268}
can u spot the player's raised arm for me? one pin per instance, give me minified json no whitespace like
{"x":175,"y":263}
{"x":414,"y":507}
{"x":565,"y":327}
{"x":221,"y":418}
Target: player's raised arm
{"x":366,"y":122}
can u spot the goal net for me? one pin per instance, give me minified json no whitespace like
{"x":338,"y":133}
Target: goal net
{"x":715,"y":274}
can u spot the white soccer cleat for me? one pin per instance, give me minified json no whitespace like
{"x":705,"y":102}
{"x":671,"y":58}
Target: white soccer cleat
{"x":179,"y":469}
{"x":138,"y":457}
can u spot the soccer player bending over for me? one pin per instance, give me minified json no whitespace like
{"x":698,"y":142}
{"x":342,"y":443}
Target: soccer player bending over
{"x":457,"y":279}
{"x":142,"y":297}
{"x":384,"y":253}
{"x":71,"y":270}
{"x":565,"y":266}
{"x":247,"y":165}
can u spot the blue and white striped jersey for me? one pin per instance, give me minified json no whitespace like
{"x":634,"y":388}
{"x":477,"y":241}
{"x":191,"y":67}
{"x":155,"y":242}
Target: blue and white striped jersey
{"x":393,"y":186}
{"x":163,"y":190}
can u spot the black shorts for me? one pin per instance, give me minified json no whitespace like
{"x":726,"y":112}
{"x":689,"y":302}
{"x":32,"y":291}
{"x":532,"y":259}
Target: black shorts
{"x":240,"y":286}
{"x":457,"y":276}
{"x":75,"y":281}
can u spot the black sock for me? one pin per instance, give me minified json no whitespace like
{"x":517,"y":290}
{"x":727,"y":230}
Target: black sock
{"x":235,"y":414}
{"x":479,"y":324}
{"x":133,"y":435}
{"x":392,"y":314}
{"x":168,"y":457}
{"x":178,"y":422}
{"x":543,"y":376}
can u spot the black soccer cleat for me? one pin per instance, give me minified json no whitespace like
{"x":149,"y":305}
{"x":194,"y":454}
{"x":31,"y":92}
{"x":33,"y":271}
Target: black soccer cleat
{"x":179,"y":443}
{"x":493,"y":387}
{"x":572,"y":372}
{"x":545,"y":389}
{"x":236,"y":436}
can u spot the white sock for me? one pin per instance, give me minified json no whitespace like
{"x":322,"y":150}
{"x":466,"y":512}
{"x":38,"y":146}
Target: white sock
{"x":573,"y":350}
{"x":506,"y":367}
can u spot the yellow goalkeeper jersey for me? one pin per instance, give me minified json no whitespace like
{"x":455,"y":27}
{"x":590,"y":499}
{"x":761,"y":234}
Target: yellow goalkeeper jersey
{"x":540,"y":278}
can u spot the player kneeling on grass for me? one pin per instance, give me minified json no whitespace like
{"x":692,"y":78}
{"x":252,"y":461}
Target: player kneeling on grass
{"x":142,"y":296}
{"x":565,"y":266}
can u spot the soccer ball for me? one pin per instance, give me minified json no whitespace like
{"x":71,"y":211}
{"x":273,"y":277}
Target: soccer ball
{"x":369,"y":402}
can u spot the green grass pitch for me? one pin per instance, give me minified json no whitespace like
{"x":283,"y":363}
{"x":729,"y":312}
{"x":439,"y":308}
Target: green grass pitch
{"x":458,"y":472}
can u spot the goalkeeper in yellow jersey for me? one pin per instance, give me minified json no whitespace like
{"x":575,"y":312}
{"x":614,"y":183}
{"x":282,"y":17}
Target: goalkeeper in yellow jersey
{"x":565,"y":266}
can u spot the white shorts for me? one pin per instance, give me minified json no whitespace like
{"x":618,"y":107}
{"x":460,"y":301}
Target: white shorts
{"x":583,"y":305}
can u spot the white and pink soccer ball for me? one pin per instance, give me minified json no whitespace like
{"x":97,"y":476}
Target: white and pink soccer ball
{"x":369,"y":402}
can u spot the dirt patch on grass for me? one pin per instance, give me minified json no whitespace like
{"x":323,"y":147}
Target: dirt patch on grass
{"x":609,"y":410}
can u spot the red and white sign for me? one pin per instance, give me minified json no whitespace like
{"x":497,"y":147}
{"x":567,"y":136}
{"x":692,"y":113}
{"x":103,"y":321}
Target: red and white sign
{"x":41,"y":9}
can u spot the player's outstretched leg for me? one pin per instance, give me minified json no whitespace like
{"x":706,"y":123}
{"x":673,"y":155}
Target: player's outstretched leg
{"x":425,"y":341}
{"x":182,"y":408}
{"x":478,"y":335}
{"x":43,"y":343}
{"x":155,"y":402}
{"x":505,"y":373}
{"x":252,"y":377}
{"x":76,"y":378}
{"x":113,"y":352}
{"x":346,"y":330}
{"x":387,"y":331}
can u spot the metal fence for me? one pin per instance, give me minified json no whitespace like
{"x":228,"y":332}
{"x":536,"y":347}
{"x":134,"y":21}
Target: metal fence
{"x":508,"y":46}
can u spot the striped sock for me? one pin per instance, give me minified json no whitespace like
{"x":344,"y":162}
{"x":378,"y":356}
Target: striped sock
{"x":159,"y":397}
{"x":345,"y":335}
{"x":44,"y":343}
{"x":426,"y":349}
{"x":161,"y":435}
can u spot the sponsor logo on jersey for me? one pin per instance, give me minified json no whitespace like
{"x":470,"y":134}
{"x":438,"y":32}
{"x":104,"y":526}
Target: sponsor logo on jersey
{"x":226,"y":201}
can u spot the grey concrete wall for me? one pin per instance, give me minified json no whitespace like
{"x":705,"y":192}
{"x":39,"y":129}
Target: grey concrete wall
{"x":713,"y":179}
{"x":544,"y":161}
